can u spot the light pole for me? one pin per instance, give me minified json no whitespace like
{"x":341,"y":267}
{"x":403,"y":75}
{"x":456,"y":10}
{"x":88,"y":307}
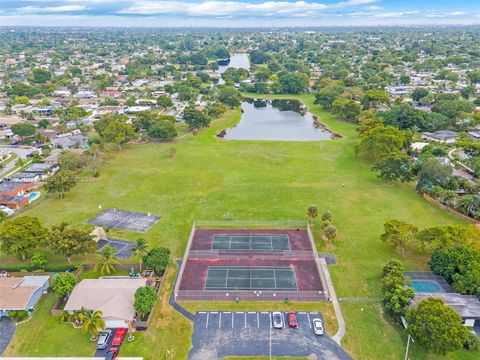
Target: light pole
{"x":408,"y":345}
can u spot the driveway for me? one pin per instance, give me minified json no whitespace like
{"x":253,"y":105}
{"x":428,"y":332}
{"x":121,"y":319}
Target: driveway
{"x":7,"y":329}
{"x":220,"y":334}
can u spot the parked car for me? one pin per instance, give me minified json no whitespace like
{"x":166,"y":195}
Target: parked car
{"x":278,"y":322}
{"x":112,"y":353}
{"x":119,"y":335}
{"x":102,"y":342}
{"x":292,"y":319}
{"x":317,"y":326}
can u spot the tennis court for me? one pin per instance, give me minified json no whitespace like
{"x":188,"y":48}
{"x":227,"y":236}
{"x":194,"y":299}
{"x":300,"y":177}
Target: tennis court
{"x":251,"y":243}
{"x":126,"y":220}
{"x":235,"y":278}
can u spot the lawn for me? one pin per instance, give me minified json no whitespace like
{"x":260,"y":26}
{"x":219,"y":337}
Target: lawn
{"x":210,"y":179}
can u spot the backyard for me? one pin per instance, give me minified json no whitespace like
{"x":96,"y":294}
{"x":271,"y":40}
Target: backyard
{"x":210,"y":179}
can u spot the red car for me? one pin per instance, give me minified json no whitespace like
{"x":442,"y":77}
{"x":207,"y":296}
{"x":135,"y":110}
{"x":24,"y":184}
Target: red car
{"x":119,"y":335}
{"x":292,"y":319}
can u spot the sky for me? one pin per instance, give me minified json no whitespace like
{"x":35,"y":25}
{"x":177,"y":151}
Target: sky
{"x":237,"y":13}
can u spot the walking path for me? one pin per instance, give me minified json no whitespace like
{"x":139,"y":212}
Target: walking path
{"x":172,"y":301}
{"x":336,"y":305}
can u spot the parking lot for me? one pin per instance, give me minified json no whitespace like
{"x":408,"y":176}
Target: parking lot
{"x":220,"y":334}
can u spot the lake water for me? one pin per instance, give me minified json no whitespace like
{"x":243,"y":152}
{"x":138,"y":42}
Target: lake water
{"x":283,"y":120}
{"x":237,"y":61}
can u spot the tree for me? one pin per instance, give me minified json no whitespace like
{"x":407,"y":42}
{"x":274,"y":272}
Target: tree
{"x":399,"y":234}
{"x":23,"y":129}
{"x":95,"y":157}
{"x":21,"y":236}
{"x":140,"y":250}
{"x":106,"y":261}
{"x":164,"y":101}
{"x":70,"y":161}
{"x":437,"y":237}
{"x":61,"y":183}
{"x":419,"y":93}
{"x":327,"y":96}
{"x":157,"y":259}
{"x":397,"y":299}
{"x":326,"y":216}
{"x":67,"y":241}
{"x":41,"y":76}
{"x":329,"y":233}
{"x":433,"y":172}
{"x":373,"y":98}
{"x":92,"y":323}
{"x":436,"y":327}
{"x":64,"y":284}
{"x":453,"y":108}
{"x":195,"y":119}
{"x":162,"y":129}
{"x":144,"y":300}
{"x":229,"y":96}
{"x":452,"y":260}
{"x":312,"y":212}
{"x":259,"y":57}
{"x":379,"y":142}
{"x":394,"y":166}
{"x":293,"y":83}
{"x":468,"y":280}
{"x":118,"y":133}
{"x":393,"y":266}
{"x":346,"y":108}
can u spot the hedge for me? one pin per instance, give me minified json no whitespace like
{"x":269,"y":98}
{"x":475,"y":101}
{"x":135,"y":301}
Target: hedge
{"x":47,"y":268}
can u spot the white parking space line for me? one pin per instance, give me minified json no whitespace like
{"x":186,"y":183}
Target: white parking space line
{"x":219,"y":320}
{"x":206,"y":325}
{"x":258,"y":322}
{"x":202,"y":312}
{"x":245,"y":326}
{"x":309,"y":322}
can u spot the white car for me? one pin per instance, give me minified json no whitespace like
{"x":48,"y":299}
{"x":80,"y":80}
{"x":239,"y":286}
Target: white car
{"x":318,"y":326}
{"x":278,"y":321}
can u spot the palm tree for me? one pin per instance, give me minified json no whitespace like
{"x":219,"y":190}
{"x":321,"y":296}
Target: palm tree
{"x":312,"y":212}
{"x":93,"y":323}
{"x":330,"y":233}
{"x":140,"y":250}
{"x":106,"y":261}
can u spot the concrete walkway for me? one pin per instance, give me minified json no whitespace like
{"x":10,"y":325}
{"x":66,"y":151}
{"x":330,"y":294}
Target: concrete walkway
{"x":336,"y":305}
{"x":176,"y":305}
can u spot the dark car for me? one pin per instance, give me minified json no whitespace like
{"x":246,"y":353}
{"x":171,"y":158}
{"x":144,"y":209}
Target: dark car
{"x":292,"y":319}
{"x":102,"y":342}
{"x":112,"y":353}
{"x":118,"y":338}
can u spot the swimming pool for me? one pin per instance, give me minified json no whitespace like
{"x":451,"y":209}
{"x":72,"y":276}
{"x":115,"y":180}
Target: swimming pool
{"x":426,"y":286}
{"x":33,"y":196}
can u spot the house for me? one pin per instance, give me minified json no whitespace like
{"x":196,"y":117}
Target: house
{"x":8,"y":188}
{"x":467,"y":306}
{"x":70,"y":141}
{"x":54,"y":156}
{"x":114,"y":297}
{"x":442,"y":136}
{"x":21,"y":293}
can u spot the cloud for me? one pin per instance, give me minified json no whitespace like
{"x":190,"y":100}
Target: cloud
{"x":396,"y":14}
{"x":52,"y":9}
{"x":223,"y":8}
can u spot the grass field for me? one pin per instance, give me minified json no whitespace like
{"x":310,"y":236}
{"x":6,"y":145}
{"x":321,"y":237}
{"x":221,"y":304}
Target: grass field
{"x":209,"y":179}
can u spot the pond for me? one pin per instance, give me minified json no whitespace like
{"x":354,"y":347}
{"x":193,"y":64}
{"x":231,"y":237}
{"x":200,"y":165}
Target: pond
{"x":237,"y":61}
{"x":282,"y":120}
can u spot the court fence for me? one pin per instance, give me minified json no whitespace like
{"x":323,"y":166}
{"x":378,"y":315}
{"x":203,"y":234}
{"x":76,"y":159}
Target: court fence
{"x":280,"y":255}
{"x":271,"y":224}
{"x":251,"y":295}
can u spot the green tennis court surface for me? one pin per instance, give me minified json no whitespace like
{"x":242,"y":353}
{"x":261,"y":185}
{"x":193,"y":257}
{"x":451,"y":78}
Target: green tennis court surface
{"x":250,"y":278}
{"x":251,"y":243}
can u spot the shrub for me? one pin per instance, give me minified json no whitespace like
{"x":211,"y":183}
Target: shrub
{"x":48,"y":267}
{"x":39,"y":260}
{"x":21,"y":315}
{"x":473,"y":342}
